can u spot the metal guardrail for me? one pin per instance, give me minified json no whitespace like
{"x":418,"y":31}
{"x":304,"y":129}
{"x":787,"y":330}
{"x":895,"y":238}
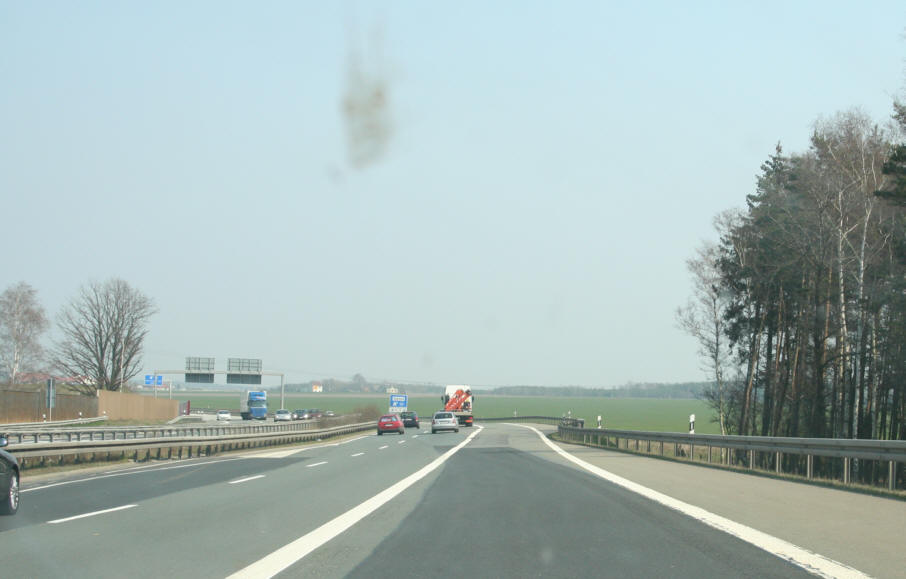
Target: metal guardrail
{"x":198,"y":445}
{"x":52,"y":434}
{"x":777,"y":449}
{"x":48,"y":443}
{"x":56,"y":443}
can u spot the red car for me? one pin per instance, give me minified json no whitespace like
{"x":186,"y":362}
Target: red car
{"x":390,"y":423}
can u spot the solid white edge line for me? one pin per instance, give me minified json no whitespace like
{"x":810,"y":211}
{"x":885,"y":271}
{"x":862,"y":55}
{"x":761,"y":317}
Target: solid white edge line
{"x":246,"y":479}
{"x":315,"y":464}
{"x":158,"y":467}
{"x":130,"y":471}
{"x":291,"y":553}
{"x":357,"y":454}
{"x":811,"y":562}
{"x":54,"y":522}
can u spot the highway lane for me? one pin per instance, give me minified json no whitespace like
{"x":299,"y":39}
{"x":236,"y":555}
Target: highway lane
{"x":189,"y":520}
{"x":504,"y":507}
{"x":507,"y":501}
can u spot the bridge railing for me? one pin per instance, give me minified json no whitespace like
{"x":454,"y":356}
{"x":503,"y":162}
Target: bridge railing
{"x":834,"y":458}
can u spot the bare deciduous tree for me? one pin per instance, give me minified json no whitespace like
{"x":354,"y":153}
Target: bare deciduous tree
{"x":703,"y":319}
{"x":103,"y":330}
{"x":22,"y":321}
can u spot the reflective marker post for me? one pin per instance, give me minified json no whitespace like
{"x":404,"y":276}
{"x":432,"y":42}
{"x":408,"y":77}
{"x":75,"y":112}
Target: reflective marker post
{"x":51,"y":397}
{"x":691,"y":424}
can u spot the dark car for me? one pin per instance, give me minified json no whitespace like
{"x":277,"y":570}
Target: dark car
{"x":409,"y":419}
{"x":9,"y":480}
{"x":390,"y":423}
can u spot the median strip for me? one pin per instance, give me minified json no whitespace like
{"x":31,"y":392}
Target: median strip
{"x":90,"y":514}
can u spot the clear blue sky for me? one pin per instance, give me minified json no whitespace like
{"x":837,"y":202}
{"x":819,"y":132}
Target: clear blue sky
{"x":551,"y":168}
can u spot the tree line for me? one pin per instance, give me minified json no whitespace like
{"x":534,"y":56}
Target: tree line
{"x":799,"y":309}
{"x":101,"y":336}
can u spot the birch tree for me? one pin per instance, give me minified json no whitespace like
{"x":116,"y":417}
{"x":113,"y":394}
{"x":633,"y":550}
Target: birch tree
{"x":703,"y":319}
{"x":22,"y":322}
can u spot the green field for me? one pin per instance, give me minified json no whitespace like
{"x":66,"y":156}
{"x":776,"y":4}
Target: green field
{"x":618,"y":413}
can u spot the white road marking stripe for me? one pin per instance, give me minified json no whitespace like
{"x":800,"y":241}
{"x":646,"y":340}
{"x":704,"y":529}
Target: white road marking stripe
{"x":382,"y":447}
{"x":414,"y":436}
{"x":277,"y":453}
{"x":400,"y":442}
{"x":131,"y":471}
{"x":246,"y":479}
{"x":811,"y":562}
{"x":90,"y":514}
{"x":315,"y":464}
{"x":293,"y":552}
{"x":286,"y":453}
{"x":358,"y":454}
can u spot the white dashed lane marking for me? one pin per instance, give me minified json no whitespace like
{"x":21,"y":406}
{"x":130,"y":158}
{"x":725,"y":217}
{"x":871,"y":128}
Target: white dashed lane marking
{"x":90,"y":514}
{"x":248,"y":478}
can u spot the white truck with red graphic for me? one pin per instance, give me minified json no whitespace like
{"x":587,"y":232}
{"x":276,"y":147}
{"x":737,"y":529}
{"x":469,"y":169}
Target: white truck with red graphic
{"x":458,"y":399}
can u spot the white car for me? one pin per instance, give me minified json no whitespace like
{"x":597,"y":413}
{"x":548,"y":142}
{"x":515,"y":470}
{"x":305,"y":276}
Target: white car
{"x":283,"y":414}
{"x":444,"y":421}
{"x":224,"y":415}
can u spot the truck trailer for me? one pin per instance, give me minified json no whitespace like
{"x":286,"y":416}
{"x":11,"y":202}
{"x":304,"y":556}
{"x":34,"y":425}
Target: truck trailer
{"x":459,"y":400}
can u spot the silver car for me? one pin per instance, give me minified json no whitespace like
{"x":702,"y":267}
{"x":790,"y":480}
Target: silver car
{"x":282,"y":414}
{"x":444,"y":421}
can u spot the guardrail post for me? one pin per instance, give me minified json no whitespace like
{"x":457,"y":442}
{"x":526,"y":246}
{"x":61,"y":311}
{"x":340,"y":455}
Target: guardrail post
{"x":809,"y":466}
{"x":751,"y":459}
{"x":892,"y":475}
{"x":709,"y":454}
{"x":846,"y":468}
{"x":778,"y":466}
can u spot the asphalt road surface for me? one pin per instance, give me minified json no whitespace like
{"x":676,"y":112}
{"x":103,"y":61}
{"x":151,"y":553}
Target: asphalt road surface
{"x":492,"y":501}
